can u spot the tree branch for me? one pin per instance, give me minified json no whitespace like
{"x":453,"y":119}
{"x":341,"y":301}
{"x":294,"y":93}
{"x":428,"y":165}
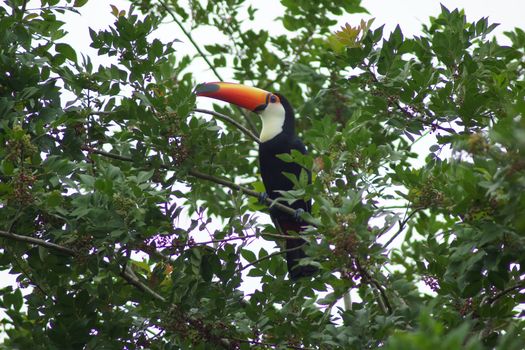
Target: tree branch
{"x":247,"y":191}
{"x":126,"y":273}
{"x":132,"y":279}
{"x":230,"y":120}
{"x":37,"y":241}
{"x":217,"y":180}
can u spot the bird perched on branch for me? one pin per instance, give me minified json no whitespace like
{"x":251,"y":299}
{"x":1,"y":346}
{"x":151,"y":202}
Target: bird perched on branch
{"x":277,"y":137}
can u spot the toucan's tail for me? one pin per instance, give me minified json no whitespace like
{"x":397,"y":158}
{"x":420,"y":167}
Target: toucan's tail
{"x":295,"y":249}
{"x":293,"y":255}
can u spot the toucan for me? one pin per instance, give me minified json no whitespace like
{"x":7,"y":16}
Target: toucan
{"x":277,"y":136}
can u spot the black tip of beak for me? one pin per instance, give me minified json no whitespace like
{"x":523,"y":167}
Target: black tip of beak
{"x":260,"y":108}
{"x":206,"y":88}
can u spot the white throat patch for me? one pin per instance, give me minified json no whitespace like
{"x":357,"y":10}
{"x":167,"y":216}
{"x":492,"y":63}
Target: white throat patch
{"x":272,"y":121}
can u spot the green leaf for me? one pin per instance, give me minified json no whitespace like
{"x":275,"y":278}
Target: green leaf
{"x":144,"y":176}
{"x":80,"y":3}
{"x":248,"y":255}
{"x":67,"y":51}
{"x":87,"y":180}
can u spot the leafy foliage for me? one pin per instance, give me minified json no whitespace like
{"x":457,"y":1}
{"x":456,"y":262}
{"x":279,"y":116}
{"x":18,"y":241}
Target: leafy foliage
{"x":110,"y":180}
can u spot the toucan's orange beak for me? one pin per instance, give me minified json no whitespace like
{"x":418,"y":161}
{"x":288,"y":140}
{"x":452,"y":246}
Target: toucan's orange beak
{"x":244,"y":96}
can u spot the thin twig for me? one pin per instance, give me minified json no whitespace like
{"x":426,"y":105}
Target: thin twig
{"x":213,"y":241}
{"x":406,"y":112}
{"x":190,"y":38}
{"x":328,"y":311}
{"x":269,"y":345}
{"x":27,"y":274}
{"x":220,"y":116}
{"x":217,"y":241}
{"x":402,"y":225}
{"x":307,"y":38}
{"x":520,"y":285}
{"x":230,"y":120}
{"x":347,"y":300}
{"x":132,"y":279}
{"x":203,"y":55}
{"x":270,"y":255}
{"x":276,"y":235}
{"x":154,"y":253}
{"x":23,"y":9}
{"x":384,"y":303}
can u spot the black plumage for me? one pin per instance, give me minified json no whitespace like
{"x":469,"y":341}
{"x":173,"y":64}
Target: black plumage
{"x":272,"y":169}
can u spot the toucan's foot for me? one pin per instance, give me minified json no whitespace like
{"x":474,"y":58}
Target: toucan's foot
{"x":297,"y":215}
{"x":262,"y":197}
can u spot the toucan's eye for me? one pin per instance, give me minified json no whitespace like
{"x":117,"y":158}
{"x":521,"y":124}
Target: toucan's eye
{"x":273,"y":98}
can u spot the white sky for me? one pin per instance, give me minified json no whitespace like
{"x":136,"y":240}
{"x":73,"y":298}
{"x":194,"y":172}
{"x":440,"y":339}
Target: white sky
{"x":409,"y":14}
